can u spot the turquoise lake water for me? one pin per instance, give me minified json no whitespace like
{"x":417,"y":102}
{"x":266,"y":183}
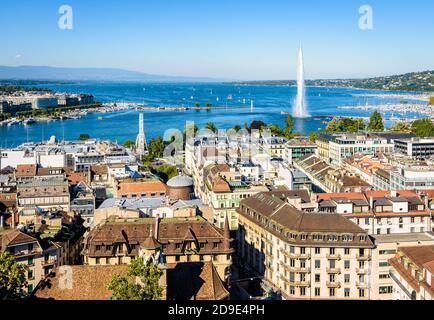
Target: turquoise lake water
{"x":123,"y":125}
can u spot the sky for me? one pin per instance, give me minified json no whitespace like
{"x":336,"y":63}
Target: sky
{"x":229,"y":39}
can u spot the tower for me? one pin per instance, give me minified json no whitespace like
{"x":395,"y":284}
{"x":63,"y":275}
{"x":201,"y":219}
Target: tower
{"x":141,"y":144}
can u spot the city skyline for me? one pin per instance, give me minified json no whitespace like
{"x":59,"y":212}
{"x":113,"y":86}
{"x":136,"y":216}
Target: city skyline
{"x":250,"y":40}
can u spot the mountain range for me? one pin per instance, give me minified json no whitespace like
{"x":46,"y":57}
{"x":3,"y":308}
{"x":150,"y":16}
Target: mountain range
{"x":89,"y":74}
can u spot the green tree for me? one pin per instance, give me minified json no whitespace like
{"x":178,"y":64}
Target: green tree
{"x":12,"y":276}
{"x":129,"y":144}
{"x":276,"y":130}
{"x":333,"y":126}
{"x":289,"y":126}
{"x":237,"y":128}
{"x":376,"y":122}
{"x":401,"y":127}
{"x":145,"y":287}
{"x":211,"y":127}
{"x":84,"y":137}
{"x":156,"y":148}
{"x":423,"y":128}
{"x":167,"y":172}
{"x":313,"y":136}
{"x":197,"y":104}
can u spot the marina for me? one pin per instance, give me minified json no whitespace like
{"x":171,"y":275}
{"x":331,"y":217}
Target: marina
{"x":168,"y":107}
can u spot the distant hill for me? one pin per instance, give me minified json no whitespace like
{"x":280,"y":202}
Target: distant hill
{"x":88,"y":74}
{"x":416,"y":81}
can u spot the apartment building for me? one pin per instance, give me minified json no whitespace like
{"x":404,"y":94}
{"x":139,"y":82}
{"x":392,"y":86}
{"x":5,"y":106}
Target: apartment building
{"x":27,"y":249}
{"x":415,"y":148}
{"x":304,"y":255}
{"x":299,"y":147}
{"x":341,"y":146}
{"x":386,"y":248}
{"x":274,"y":146}
{"x":380,"y":212}
{"x":46,"y":194}
{"x":413,"y":273}
{"x":183,"y":240}
{"x":223,"y":190}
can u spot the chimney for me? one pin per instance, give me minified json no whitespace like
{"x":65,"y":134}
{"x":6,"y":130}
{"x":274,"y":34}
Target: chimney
{"x":371,"y":203}
{"x":156,"y":227}
{"x":393,"y":193}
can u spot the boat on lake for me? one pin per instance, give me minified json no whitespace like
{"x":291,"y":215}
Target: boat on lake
{"x":29,"y":121}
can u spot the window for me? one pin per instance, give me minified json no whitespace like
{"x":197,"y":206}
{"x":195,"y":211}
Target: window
{"x":347,"y":264}
{"x":30,"y":288}
{"x":30,"y":274}
{"x":177,"y":258}
{"x":384,"y":276}
{"x":386,"y":290}
{"x":302,"y":291}
{"x":332,"y":292}
{"x":347,"y":251}
{"x":292,"y":263}
{"x":384,"y":264}
{"x":97,"y":260}
{"x":317,"y":264}
{"x":291,"y":290}
{"x":332,"y":251}
{"x":347,"y":292}
{"x":317,"y":250}
{"x":347,"y":278}
{"x":361,"y":293}
{"x":317,"y":278}
{"x":30,"y":261}
{"x":317,"y":292}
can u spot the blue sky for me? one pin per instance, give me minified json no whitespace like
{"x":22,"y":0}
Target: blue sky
{"x":235,"y":39}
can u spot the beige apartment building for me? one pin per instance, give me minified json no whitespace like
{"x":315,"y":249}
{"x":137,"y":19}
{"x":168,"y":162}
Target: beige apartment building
{"x":387,"y":246}
{"x":184,"y":240}
{"x":304,"y":255}
{"x":47,"y":194}
{"x":27,"y":250}
{"x":413,"y":273}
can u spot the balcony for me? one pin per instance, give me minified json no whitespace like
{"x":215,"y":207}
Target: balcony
{"x":362,"y":271}
{"x":334,"y":270}
{"x":295,"y":255}
{"x":301,"y":269}
{"x":305,"y":283}
{"x":362,"y":285}
{"x":363,"y":257}
{"x":334,"y":284}
{"x":334,"y":256}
